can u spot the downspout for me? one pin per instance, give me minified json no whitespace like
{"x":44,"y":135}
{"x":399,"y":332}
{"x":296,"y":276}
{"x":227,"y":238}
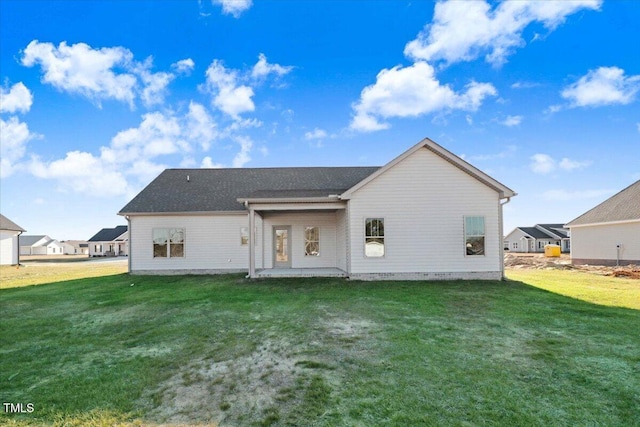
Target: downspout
{"x":501,"y":239}
{"x":18,"y":258}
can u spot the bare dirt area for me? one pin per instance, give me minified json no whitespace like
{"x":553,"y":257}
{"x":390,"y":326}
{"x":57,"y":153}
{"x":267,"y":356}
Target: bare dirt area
{"x":563,"y":262}
{"x":267,"y":384}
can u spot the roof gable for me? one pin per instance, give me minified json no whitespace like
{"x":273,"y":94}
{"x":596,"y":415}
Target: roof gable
{"x":109,"y":234}
{"x":31,"y":240}
{"x":623,"y":206}
{"x":456,"y":161}
{"x":7,"y":224}
{"x":555,"y":230}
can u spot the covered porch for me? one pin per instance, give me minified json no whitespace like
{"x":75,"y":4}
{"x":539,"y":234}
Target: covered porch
{"x":298,"y":237}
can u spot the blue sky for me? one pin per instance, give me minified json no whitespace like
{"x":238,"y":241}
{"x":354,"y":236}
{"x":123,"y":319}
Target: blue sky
{"x":100,"y":97}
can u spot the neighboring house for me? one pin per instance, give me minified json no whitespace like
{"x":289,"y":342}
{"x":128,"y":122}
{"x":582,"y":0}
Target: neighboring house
{"x":9,"y":241}
{"x":609,"y":234}
{"x":110,"y":242}
{"x":75,"y":247}
{"x":40,"y":245}
{"x":427,"y":214}
{"x":534,"y":239}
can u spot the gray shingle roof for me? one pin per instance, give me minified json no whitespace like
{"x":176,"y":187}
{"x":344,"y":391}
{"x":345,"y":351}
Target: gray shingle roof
{"x":210,"y":190}
{"x":622,"y":206}
{"x":535,"y":233}
{"x":30,"y":240}
{"x":109,"y":234}
{"x":7,"y":224}
{"x":555,"y":229}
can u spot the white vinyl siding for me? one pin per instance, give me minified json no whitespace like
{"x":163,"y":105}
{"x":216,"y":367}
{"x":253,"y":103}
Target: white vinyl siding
{"x":423,"y":200}
{"x":8,"y":247}
{"x":211,"y":243}
{"x":598,"y":242}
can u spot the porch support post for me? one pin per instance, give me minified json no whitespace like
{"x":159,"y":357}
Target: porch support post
{"x":252,"y":245}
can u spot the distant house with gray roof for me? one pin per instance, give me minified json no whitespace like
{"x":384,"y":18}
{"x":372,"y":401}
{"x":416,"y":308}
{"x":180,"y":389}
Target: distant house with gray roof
{"x":609,"y":234}
{"x":110,"y":242}
{"x":427,"y":214}
{"x":40,"y":245}
{"x":9,"y":241}
{"x":534,"y":239}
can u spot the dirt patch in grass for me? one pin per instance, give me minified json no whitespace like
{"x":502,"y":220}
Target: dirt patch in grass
{"x":278,"y":382}
{"x":227,"y":392}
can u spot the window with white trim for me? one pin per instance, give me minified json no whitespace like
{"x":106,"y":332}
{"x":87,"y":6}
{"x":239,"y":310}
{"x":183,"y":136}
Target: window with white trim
{"x":474,"y":235}
{"x":311,"y":241}
{"x":168,"y":242}
{"x":374,"y":237}
{"x":244,"y":236}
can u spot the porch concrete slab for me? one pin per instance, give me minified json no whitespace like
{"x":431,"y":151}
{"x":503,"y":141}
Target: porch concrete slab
{"x":301,"y":272}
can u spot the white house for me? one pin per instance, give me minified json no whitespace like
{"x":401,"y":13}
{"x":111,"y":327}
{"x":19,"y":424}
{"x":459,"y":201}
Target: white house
{"x":75,"y":247}
{"x":427,"y":214}
{"x":40,"y":245}
{"x":609,"y":234}
{"x":110,"y":242}
{"x":534,"y":239}
{"x":9,"y":237}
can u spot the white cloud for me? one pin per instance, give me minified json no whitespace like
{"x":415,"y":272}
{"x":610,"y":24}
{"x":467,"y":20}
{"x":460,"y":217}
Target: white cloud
{"x":569,"y":165}
{"x":200,"y":126}
{"x":233,"y":7}
{"x":315,"y":134}
{"x":469,"y":119}
{"x":83,"y":173}
{"x":16,"y":99}
{"x":14,"y":136}
{"x":410,"y":92}
{"x":564,"y":195}
{"x":155,"y":84}
{"x":603,"y":86}
{"x":134,"y":155}
{"x":544,"y":164}
{"x":525,"y":85}
{"x":207,"y":163}
{"x":81,"y":69}
{"x":229,"y":96}
{"x":262,"y":68}
{"x":101,"y":73}
{"x":511,"y":121}
{"x":242,"y":157}
{"x":553,"y":109}
{"x":184,"y":66}
{"x":462,"y":31}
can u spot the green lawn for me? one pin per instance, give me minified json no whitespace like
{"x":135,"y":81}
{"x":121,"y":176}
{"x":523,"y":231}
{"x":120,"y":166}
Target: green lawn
{"x":122,"y":350}
{"x":612,"y":291}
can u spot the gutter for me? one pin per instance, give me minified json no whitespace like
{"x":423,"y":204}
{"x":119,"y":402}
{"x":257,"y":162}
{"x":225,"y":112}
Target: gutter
{"x":18,"y":259}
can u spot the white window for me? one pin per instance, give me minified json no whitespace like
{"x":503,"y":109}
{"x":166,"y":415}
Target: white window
{"x":244,"y":236}
{"x":474,"y":235}
{"x":311,"y":241}
{"x":374,"y":237}
{"x":514,"y":245}
{"x":168,"y":242}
